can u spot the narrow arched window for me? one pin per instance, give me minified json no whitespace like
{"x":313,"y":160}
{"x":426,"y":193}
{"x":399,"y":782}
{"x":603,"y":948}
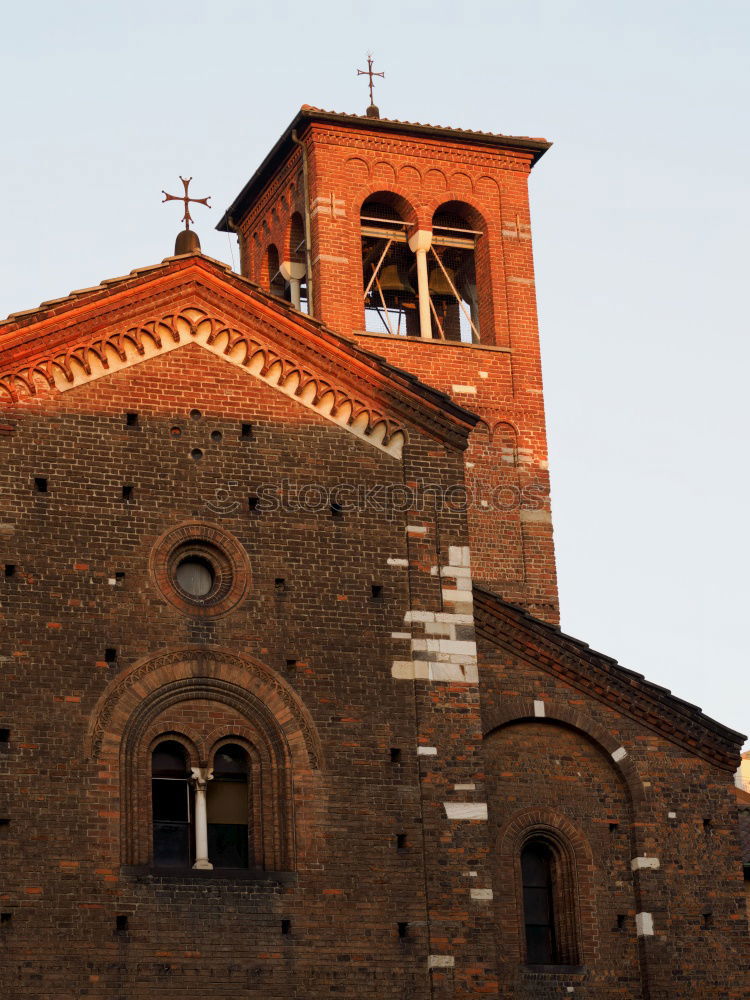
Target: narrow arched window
{"x":227,"y":807}
{"x":171,"y":799}
{"x":537,"y":871}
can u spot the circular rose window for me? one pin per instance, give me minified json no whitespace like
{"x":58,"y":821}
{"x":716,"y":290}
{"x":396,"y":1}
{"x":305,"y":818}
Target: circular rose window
{"x":200,"y":569}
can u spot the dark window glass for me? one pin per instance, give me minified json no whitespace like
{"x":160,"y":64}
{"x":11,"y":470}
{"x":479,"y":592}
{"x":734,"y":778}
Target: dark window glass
{"x":227,"y":806}
{"x":169,"y":760}
{"x":171,"y":805}
{"x":196,"y":576}
{"x":536,"y":870}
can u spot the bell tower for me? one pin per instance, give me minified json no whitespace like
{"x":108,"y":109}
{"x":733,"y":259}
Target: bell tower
{"x":415,"y":241}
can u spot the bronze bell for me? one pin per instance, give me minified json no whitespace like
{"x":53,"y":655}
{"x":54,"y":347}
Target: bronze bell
{"x":391,"y":280}
{"x":438,"y":283}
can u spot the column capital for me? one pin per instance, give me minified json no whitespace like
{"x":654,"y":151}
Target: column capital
{"x":201,"y":776}
{"x":420,"y":241}
{"x":292,"y":269}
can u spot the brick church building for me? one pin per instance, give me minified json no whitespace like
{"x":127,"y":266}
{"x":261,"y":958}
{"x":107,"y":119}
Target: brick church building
{"x":286,"y":710}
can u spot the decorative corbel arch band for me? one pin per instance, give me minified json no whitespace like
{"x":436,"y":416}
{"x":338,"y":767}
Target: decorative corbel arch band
{"x":228,"y":675}
{"x":520,"y":709}
{"x":105,"y":355}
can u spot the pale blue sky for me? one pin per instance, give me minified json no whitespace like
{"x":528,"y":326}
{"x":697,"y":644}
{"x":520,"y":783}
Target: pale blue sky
{"x":640,"y":214}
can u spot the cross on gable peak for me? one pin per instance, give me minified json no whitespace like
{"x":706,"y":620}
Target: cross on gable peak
{"x":187,"y":241}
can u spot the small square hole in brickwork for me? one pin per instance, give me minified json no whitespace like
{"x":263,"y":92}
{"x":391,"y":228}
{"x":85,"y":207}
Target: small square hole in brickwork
{"x":619,"y":922}
{"x":395,"y":755}
{"x":336,"y":509}
{"x":286,"y":926}
{"x":614,"y":827}
{"x":400,"y":841}
{"x":10,"y":570}
{"x":121,"y":922}
{"x":119,"y":576}
{"x":253,"y":501}
{"x":131,"y":419}
{"x":403,"y":928}
{"x":291,"y":664}
{"x":127,"y":492}
{"x":5,"y":918}
{"x":110,"y":655}
{"x":4,"y":735}
{"x":40,"y":484}
{"x":279,"y":585}
{"x":4,"y":820}
{"x":708,"y":919}
{"x":246,"y":432}
{"x":377,"y":591}
{"x":707,"y":826}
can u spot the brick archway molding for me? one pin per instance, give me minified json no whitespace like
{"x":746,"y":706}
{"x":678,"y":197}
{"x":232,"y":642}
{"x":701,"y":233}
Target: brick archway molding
{"x":123,"y":721}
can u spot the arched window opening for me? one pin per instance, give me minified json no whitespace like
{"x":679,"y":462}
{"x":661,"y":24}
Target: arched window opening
{"x":172,"y":806}
{"x":538,"y":904}
{"x":227,"y":808}
{"x":389,"y":272}
{"x":549,"y":903}
{"x":452,"y":276}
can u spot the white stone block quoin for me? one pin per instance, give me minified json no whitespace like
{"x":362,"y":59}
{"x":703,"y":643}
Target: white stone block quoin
{"x":644,"y":924}
{"x":440,"y":961}
{"x":640,"y":863}
{"x":466,"y":810}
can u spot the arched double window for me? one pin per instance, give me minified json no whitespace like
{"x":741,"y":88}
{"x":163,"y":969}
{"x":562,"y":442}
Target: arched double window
{"x":549,"y":902}
{"x":200,"y":816}
{"x":424,"y":284}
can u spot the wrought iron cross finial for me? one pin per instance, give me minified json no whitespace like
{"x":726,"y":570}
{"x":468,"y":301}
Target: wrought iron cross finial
{"x":187,"y":217}
{"x":369,"y":72}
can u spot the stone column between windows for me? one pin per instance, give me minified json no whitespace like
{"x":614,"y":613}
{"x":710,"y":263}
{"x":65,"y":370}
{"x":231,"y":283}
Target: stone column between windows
{"x":201,"y":778}
{"x":293,"y":272}
{"x":419,"y":244}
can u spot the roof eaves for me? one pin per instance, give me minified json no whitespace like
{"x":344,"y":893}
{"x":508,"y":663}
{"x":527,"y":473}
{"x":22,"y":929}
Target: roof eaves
{"x":537,"y":147}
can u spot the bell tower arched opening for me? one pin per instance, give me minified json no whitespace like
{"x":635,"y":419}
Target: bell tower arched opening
{"x":452,"y":273}
{"x":388,"y":267}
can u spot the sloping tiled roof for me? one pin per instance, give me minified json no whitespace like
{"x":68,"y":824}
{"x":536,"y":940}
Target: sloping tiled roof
{"x":307,"y":113}
{"x":604,"y":679}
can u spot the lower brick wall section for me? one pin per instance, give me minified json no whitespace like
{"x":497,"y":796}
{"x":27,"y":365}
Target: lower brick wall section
{"x":651,"y":832}
{"x":349,"y":668}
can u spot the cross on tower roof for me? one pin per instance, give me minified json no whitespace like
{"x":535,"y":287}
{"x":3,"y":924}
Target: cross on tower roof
{"x":187,"y":217}
{"x":372,"y":111}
